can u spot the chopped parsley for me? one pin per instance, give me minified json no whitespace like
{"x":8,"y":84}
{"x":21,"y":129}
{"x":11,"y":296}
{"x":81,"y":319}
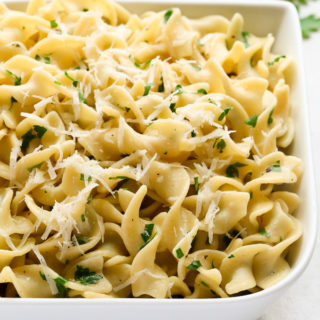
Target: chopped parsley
{"x":204,"y":284}
{"x":167,"y":15}
{"x":43,"y":277}
{"x":17,"y":80}
{"x":251,"y":195}
{"x":89,"y":199}
{"x":277,"y":59}
{"x":85,"y":276}
{"x":161,"y":85}
{"x":77,"y":67}
{"x":232,"y":170}
{"x":147,"y":242}
{"x":252,"y":121}
{"x":53,"y":24}
{"x":172,"y":107}
{"x":224,"y":113}
{"x":202,"y":91}
{"x":83,"y":217}
{"x":245,"y":35}
{"x":30,"y":135}
{"x":85,"y":9}
{"x":147,"y":89}
{"x":281,"y":239}
{"x":147,"y":232}
{"x":81,"y":97}
{"x":194,"y":265}
{"x":195,"y":67}
{"x":57,"y":82}
{"x":127,"y":109}
{"x":12,"y":101}
{"x":179,"y":253}
{"x":276,"y":167}
{"x":142,"y":65}
{"x":37,"y":57}
{"x":82,"y":240}
{"x":193,"y":134}
{"x":221,"y":145}
{"x":309,"y":24}
{"x":196,"y":184}
{"x":46,"y":59}
{"x":83,"y":179}
{"x":270,"y":119}
{"x":178,"y":89}
{"x":60,"y":284}
{"x":74,"y":82}
{"x":264,"y":232}
{"x":231,"y":256}
{"x":119,"y":178}
{"x":36,"y":166}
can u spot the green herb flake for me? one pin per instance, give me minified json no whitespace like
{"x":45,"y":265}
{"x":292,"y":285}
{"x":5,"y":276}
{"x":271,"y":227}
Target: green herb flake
{"x":251,"y":195}
{"x":245,"y":35}
{"x":142,"y":65}
{"x":213,"y":292}
{"x":85,"y":276}
{"x":12,"y":101}
{"x":221,"y":145}
{"x":264,"y":232}
{"x":17,"y":80}
{"x":60,"y":284}
{"x":161,"y":85}
{"x":194,"y":265}
{"x":178,"y":89}
{"x":232,"y":170}
{"x":57,"y":82}
{"x":281,"y":239}
{"x":85,"y":9}
{"x":147,"y":89}
{"x":179,"y":253}
{"x":224,"y":113}
{"x":172,"y":107}
{"x":119,"y":178}
{"x":46,"y":59}
{"x":147,"y":232}
{"x":309,"y":24}
{"x":83,"y":218}
{"x":196,"y":184}
{"x":252,"y":121}
{"x":67,"y":261}
{"x":202,"y":91}
{"x":74,"y":82}
{"x":82,"y":240}
{"x":127,"y":109}
{"x":37,"y":57}
{"x":195,"y":67}
{"x":82,"y":176}
{"x":270,"y":119}
{"x":167,"y":15}
{"x":81,"y":97}
{"x":231,"y":256}
{"x":43,"y":277}
{"x":147,"y":242}
{"x":40,"y":130}
{"x":277,"y":59}
{"x":204,"y":284}
{"x":89,"y":199}
{"x":36,"y":166}
{"x":276,"y":168}
{"x":53,"y":24}
{"x":193,"y":134}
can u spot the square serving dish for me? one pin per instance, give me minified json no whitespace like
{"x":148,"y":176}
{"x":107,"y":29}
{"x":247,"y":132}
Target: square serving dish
{"x":261,"y":18}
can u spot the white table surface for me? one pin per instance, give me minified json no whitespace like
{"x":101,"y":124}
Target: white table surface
{"x":302,"y":301}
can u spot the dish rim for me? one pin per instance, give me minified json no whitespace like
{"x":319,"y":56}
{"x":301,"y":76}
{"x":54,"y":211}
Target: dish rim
{"x":304,"y":257}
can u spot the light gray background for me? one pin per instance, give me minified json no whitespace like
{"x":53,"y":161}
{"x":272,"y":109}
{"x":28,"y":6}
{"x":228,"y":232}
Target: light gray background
{"x":302,"y":301}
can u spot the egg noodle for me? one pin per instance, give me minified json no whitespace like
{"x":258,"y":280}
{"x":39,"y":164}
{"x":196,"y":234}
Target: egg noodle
{"x":140,"y":156}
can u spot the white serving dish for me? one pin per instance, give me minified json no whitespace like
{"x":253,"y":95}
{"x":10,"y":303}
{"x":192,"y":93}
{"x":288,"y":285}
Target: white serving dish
{"x":261,"y":17}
